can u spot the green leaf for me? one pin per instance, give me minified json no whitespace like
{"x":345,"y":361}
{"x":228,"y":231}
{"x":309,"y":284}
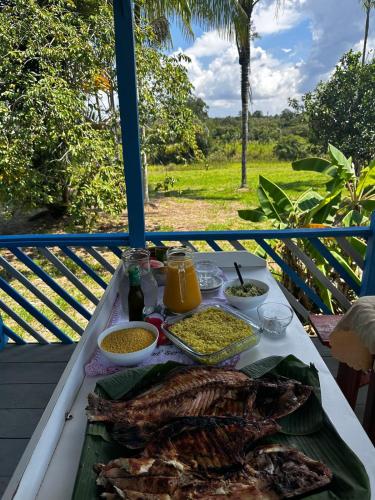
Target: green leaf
{"x":278,"y":197}
{"x":368,"y":205}
{"x":359,"y":245}
{"x":315,"y":165}
{"x":338,"y":158}
{"x":308,"y":200}
{"x":253,"y":215}
{"x":320,"y":213}
{"x":346,"y":266}
{"x":267,"y":206}
{"x":352,"y":218}
{"x":366,"y":179}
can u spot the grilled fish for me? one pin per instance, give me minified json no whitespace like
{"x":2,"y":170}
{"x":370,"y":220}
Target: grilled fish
{"x":209,"y":444}
{"x":287,"y":471}
{"x":278,"y":396}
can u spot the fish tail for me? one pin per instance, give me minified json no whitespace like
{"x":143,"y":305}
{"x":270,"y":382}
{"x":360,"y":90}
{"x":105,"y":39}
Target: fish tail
{"x":99,"y":409}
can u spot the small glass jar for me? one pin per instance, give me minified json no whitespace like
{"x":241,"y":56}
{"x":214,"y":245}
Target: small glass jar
{"x":182,"y":292}
{"x":140,"y":257}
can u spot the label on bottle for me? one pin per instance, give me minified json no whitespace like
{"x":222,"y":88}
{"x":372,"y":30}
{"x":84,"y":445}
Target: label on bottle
{"x":134,"y":276}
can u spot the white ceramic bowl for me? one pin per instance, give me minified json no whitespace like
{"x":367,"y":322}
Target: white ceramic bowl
{"x":246,"y":302}
{"x":129,"y":358}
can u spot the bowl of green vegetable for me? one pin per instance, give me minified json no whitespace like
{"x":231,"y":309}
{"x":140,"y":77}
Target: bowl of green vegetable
{"x":252,"y":294}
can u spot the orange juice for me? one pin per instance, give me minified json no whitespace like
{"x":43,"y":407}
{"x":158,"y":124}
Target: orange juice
{"x":182,"y":292}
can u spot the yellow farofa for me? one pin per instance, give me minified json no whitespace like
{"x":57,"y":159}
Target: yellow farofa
{"x":211,"y":330}
{"x":128,"y":340}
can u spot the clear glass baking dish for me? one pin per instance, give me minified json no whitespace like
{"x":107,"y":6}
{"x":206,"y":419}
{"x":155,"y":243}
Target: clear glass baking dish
{"x":223,"y":354}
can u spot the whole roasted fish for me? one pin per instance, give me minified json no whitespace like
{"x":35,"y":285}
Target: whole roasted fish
{"x":197,"y":391}
{"x":209,"y":444}
{"x":286,"y":471}
{"x":272,"y":472}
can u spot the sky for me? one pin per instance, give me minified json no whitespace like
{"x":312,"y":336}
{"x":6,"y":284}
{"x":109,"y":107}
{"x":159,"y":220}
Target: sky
{"x":298,"y":47}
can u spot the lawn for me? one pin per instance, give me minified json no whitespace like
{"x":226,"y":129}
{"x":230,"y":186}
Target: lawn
{"x":201,"y":198}
{"x":208,"y":198}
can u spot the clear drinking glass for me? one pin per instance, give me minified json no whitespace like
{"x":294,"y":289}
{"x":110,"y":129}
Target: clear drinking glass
{"x":141,"y":258}
{"x":207,"y":272}
{"x":274,"y":318}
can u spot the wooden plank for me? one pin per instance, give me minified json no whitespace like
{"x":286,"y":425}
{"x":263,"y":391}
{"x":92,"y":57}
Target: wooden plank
{"x":65,"y":271}
{"x":41,"y":296}
{"x":3,"y":484}
{"x":99,"y":257}
{"x":237,"y":245}
{"x":25,"y":395}
{"x":35,"y":353}
{"x":10,"y":453}
{"x":23,"y":373}
{"x":19,"y":423}
{"x":351,"y":251}
{"x":297,"y":306}
{"x":317,"y":273}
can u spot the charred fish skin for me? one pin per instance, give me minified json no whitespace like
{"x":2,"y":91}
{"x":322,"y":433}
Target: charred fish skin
{"x":214,"y":444}
{"x":277,"y":397}
{"x":287,"y":471}
{"x":185,"y":392}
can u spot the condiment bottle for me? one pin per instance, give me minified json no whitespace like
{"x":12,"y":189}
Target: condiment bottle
{"x":136,"y":301}
{"x":139,"y":257}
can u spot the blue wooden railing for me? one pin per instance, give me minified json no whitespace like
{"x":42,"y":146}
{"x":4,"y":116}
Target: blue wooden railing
{"x":50,"y":284}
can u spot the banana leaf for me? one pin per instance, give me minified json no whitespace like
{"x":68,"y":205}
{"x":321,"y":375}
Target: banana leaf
{"x":308,"y":430}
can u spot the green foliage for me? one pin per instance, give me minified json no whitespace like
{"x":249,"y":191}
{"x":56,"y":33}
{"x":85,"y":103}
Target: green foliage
{"x":60,"y":140}
{"x":291,"y":147}
{"x":355,"y":195}
{"x":54,"y":151}
{"x":341,"y":111}
{"x":349,"y":200}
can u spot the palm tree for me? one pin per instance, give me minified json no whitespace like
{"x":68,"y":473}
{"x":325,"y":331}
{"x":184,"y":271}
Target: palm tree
{"x":243,"y":33}
{"x":234,"y":19}
{"x":367,"y":5}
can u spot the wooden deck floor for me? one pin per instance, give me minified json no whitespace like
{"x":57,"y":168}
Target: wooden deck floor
{"x":28,"y":376}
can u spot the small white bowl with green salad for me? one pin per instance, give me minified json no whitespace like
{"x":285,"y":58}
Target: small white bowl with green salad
{"x":252,"y":294}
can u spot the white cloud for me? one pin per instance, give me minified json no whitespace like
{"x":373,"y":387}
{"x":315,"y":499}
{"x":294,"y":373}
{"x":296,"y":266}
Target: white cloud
{"x":218,"y":80}
{"x":335,"y":27}
{"x":269,"y":18}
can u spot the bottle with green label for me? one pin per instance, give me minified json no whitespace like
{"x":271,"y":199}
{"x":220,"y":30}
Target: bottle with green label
{"x":136,"y":301}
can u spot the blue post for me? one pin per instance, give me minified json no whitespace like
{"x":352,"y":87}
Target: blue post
{"x":368,"y":279}
{"x":128,"y":103}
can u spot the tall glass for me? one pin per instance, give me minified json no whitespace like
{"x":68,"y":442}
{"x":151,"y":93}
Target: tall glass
{"x":182,"y":292}
{"x":139,"y":257}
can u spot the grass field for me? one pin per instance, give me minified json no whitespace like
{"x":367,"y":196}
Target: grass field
{"x":200,"y":199}
{"x":209,"y":198}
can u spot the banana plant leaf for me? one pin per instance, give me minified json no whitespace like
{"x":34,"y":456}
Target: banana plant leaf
{"x":308,"y":430}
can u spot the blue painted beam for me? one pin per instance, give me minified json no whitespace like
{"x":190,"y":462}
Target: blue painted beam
{"x":9,"y":290}
{"x":72,"y":240}
{"x":51,"y":282}
{"x":122,"y":239}
{"x":360,"y":232}
{"x":83,"y":265}
{"x":128,"y":102}
{"x":368,"y":279}
{"x":214,"y":245}
{"x":12,"y":335}
{"x":294,"y":276}
{"x":323,"y":250}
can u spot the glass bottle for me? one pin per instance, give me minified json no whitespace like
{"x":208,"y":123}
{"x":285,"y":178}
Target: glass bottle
{"x":182,"y":292}
{"x":139,"y":257}
{"x":135,"y":296}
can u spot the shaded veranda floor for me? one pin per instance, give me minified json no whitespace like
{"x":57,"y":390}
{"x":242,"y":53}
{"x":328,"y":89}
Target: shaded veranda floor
{"x":28,"y":376}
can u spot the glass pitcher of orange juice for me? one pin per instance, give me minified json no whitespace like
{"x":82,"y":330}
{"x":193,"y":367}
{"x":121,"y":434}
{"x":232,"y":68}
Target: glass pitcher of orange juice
{"x":182,"y":292}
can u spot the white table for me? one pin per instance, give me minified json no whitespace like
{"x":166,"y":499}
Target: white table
{"x":48,"y":467}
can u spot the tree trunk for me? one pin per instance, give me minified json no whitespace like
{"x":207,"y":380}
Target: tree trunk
{"x":146,"y":196}
{"x":367,"y":26}
{"x":244,"y":59}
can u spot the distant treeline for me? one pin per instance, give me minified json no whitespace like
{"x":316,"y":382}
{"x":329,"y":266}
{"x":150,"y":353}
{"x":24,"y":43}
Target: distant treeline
{"x":282,"y":136}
